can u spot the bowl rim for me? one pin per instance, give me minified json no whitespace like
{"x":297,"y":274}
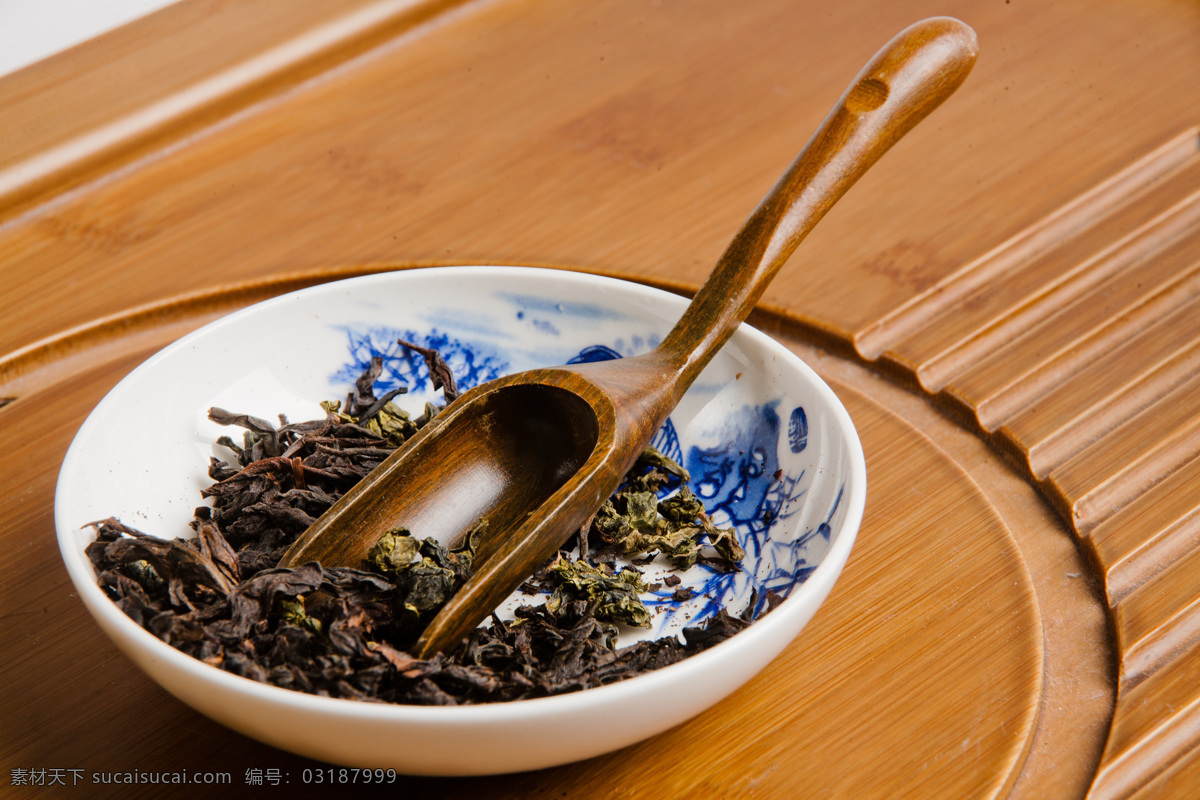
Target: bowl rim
{"x":764,"y":629}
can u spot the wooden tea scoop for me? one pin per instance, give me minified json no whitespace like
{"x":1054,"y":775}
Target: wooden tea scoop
{"x":536,"y":454}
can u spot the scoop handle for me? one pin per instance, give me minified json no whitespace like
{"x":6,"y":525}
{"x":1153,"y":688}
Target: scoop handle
{"x":899,"y":87}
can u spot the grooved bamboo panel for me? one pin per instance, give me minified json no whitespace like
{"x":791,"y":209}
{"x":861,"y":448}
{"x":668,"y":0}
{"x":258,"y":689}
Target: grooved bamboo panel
{"x":1081,"y":352}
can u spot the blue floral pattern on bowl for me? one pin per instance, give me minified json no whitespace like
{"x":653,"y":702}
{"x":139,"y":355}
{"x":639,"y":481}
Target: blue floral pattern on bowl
{"x":740,"y":476}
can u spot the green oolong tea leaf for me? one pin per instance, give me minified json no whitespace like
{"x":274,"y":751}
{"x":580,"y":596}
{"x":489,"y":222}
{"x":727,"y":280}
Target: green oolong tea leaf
{"x":652,"y":457}
{"x":615,"y":594}
{"x":393,"y":424}
{"x":395,"y":551}
{"x":426,"y":586}
{"x":725,"y":542}
{"x":634,"y":522}
{"x":681,"y":508}
{"x":426,"y":573}
{"x":292,"y":610}
{"x":641,"y":510}
{"x":652,"y":471}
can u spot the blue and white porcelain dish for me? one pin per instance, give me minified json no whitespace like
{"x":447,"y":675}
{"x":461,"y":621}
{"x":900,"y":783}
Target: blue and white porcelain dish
{"x":769,"y":448}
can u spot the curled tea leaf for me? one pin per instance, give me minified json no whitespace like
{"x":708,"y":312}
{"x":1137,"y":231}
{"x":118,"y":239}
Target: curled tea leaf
{"x":440,"y":376}
{"x":395,"y":551}
{"x":260,"y":434}
{"x":655,"y":458}
{"x":615,"y":594}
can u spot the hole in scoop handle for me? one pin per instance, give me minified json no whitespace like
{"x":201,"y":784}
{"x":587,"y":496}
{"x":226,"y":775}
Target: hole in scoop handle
{"x":899,"y":87}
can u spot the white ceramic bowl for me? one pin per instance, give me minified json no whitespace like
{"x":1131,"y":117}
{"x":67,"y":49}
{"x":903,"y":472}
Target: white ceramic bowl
{"x":769,"y":447}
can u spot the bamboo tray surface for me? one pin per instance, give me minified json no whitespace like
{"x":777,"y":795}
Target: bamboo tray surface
{"x":946,"y":570}
{"x":1006,"y":304}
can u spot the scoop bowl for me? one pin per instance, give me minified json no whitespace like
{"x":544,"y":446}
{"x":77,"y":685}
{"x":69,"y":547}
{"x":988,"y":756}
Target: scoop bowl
{"x":755,"y":411}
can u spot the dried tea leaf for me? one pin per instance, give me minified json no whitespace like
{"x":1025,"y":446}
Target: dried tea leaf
{"x":341,"y":632}
{"x":395,"y":551}
{"x":258,"y":431}
{"x":214,"y":546}
{"x":174,"y":560}
{"x":146,"y":577}
{"x":655,"y":458}
{"x":634,"y":523}
{"x":362,"y":396}
{"x":683,"y":507}
{"x":292,"y":611}
{"x":382,"y":403}
{"x":641,"y":511}
{"x":393,"y":424}
{"x":616,"y":594}
{"x":426,"y":587}
{"x":726,"y":544}
{"x":440,"y":375}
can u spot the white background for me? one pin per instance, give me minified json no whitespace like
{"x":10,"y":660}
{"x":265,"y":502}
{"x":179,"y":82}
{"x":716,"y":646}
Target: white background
{"x":31,"y":30}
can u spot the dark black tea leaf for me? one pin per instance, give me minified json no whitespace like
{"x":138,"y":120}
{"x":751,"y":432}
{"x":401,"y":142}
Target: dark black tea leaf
{"x":343,"y":632}
{"x":440,"y":376}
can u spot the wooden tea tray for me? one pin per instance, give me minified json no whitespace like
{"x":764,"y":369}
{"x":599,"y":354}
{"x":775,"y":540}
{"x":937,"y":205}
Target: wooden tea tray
{"x":1007,"y":305}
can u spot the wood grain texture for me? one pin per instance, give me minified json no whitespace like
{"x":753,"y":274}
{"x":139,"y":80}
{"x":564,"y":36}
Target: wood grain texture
{"x":926,"y":671}
{"x":625,"y":137}
{"x":1074,"y":344}
{"x":629,"y":138}
{"x":156,"y":92}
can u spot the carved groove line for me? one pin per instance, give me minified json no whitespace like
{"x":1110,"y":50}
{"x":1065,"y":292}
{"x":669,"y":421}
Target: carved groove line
{"x":1077,"y":215}
{"x":1061,"y":290}
{"x":214,"y":97}
{"x":1075,"y":346}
